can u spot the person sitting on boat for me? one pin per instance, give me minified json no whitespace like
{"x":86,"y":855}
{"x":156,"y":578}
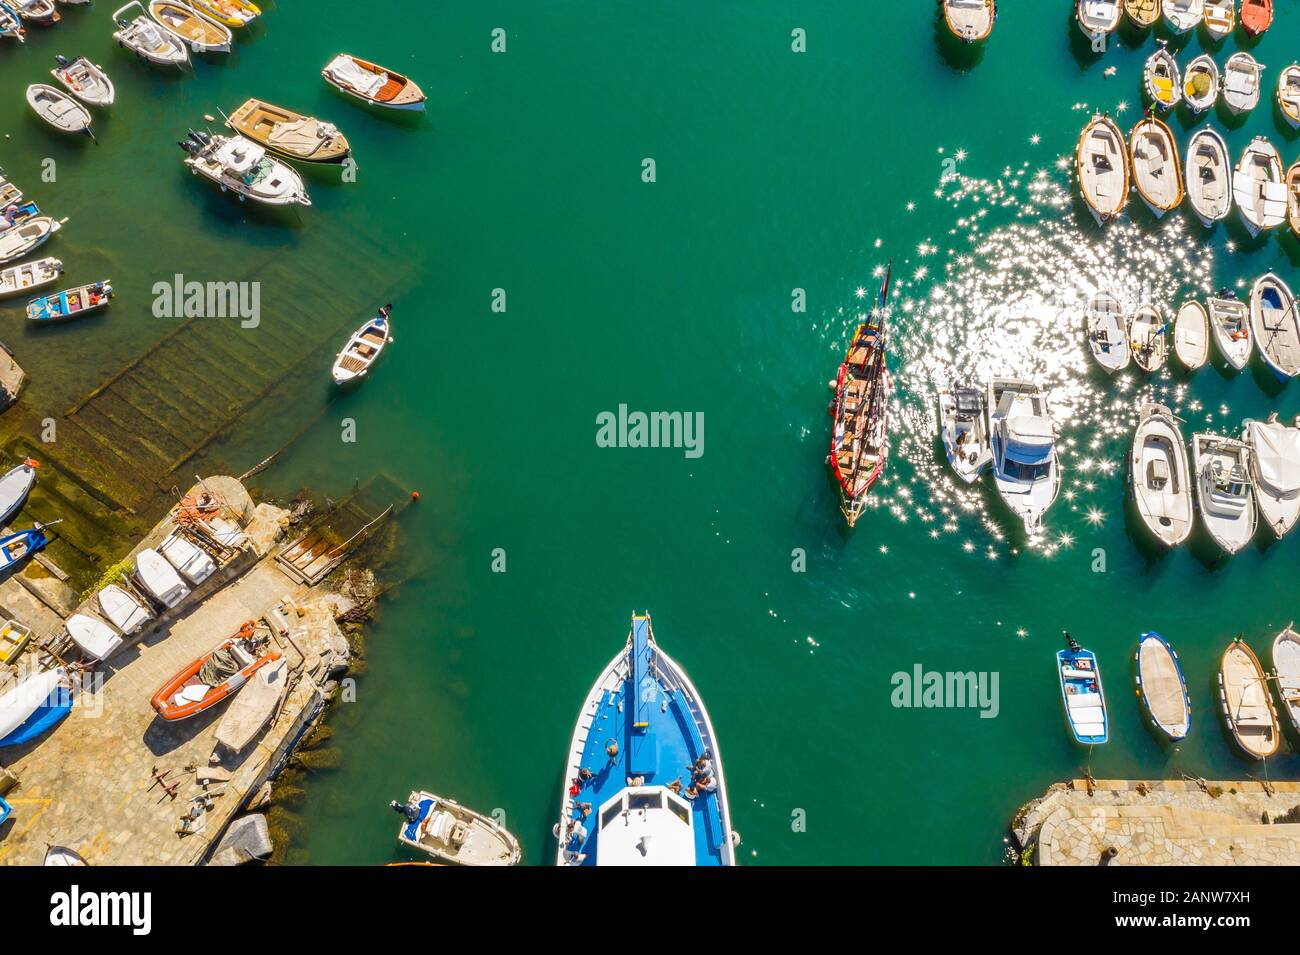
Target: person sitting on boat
{"x":676,"y":785}
{"x":584,"y":808}
{"x":707,"y":785}
{"x":412,"y":813}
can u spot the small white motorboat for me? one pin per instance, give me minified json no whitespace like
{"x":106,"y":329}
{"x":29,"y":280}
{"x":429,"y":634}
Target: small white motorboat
{"x":194,"y":565}
{"x":1101,"y":160}
{"x":363,"y":348}
{"x":1026,"y":468}
{"x":1288,"y":94}
{"x":1286,"y":664}
{"x":85,"y":80}
{"x":1257,"y":187}
{"x":159,"y":578}
{"x":1184,"y":15}
{"x":963,"y":429}
{"x":96,"y":639}
{"x":1275,"y":471}
{"x":1246,"y":703}
{"x":1220,"y":17}
{"x":1201,"y":83}
{"x":16,"y":484}
{"x":1209,"y":176}
{"x":1146,"y":335}
{"x":1157,"y":171}
{"x":1096,"y":17}
{"x":122,"y":610}
{"x":147,"y":40}
{"x":1107,"y":332}
{"x":1223,"y":489}
{"x":26,"y":237}
{"x":1241,"y":82}
{"x":1159,"y":475}
{"x":242,"y":167}
{"x":454,"y":833}
{"x":29,"y":276}
{"x":1192,"y":335}
{"x":59,"y":109}
{"x":1161,"y":79}
{"x":1230,"y":329}
{"x":1275,"y":324}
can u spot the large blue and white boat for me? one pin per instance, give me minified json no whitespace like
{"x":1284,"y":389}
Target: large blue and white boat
{"x":643,"y":782}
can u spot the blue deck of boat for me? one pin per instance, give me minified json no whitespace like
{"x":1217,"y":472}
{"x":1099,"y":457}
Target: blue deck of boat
{"x":655,"y":742}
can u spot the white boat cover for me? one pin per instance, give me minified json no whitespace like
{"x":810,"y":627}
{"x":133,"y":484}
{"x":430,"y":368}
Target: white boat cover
{"x":345,"y":69}
{"x":160,"y":578}
{"x":95,"y":638}
{"x":1277,"y":451}
{"x":24,"y":699}
{"x":194,"y":565}
{"x":121,"y":609}
{"x":301,"y":135}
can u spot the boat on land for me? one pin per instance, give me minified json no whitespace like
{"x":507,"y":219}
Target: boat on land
{"x":1026,"y":468}
{"x":1242,"y":80}
{"x":1201,"y":83}
{"x":71,"y":303}
{"x":1107,"y":332}
{"x":159,"y":578}
{"x":1230,"y":328}
{"x":1220,"y":18}
{"x":454,"y":833}
{"x":201,"y":33}
{"x":963,"y":429}
{"x":1257,"y":187}
{"x":62,"y":855}
{"x":11,"y":24}
{"x":363,"y":348}
{"x":860,"y":411}
{"x":244,"y":168}
{"x":14,"y":637}
{"x":289,"y":134}
{"x":970,"y":20}
{"x":26,"y":237}
{"x":373,"y":84}
{"x":34,"y":706}
{"x":1162,"y":687}
{"x":1275,"y":471}
{"x":122,"y":609}
{"x":85,"y":80}
{"x":1288,"y":94}
{"x":231,"y":13}
{"x":1156,"y":168}
{"x":1275,"y":323}
{"x":1293,"y":198}
{"x":254,"y":706}
{"x":192,"y":563}
{"x":1209,"y":176}
{"x":1160,"y":77}
{"x":1096,"y":17}
{"x":40,"y":12}
{"x":147,"y":39}
{"x":1224,"y":494}
{"x":95,"y":639}
{"x":1246,"y":703}
{"x":1142,"y":13}
{"x":1192,"y":335}
{"x":1160,"y":476}
{"x":29,"y":276}
{"x":15,"y":485}
{"x":59,"y":109}
{"x":213,"y":677}
{"x":1103,"y":168}
{"x":643,"y":780}
{"x":16,"y":548}
{"x":1146,"y":335}
{"x":1183,"y":15}
{"x":1256,"y":16}
{"x":1286,"y":665}
{"x":1082,"y":694}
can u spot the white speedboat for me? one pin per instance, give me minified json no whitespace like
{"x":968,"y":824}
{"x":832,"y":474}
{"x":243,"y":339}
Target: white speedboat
{"x":1159,"y":475}
{"x":85,"y":80}
{"x":1192,"y":335}
{"x":1223,"y":489}
{"x":1102,"y":164}
{"x":1146,"y":335}
{"x":96,"y":639}
{"x":122,"y":610}
{"x":194,"y":565}
{"x":26,"y":237}
{"x":159,"y":578}
{"x":451,"y":832}
{"x":1241,"y":82}
{"x":1201,"y":83}
{"x":1275,"y":323}
{"x":1257,"y":187}
{"x":963,"y":428}
{"x":1162,"y":80}
{"x":1157,"y":171}
{"x":29,"y":276}
{"x":1184,"y":15}
{"x":1275,"y":471}
{"x":241,"y":166}
{"x":59,"y":109}
{"x":1209,"y":176}
{"x":1107,"y":332}
{"x":146,"y":39}
{"x":1230,"y":328}
{"x":1026,"y":468}
{"x":1288,"y":94}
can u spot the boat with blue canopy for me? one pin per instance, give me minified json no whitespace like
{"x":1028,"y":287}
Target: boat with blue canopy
{"x":70,"y":303}
{"x":1081,"y":692}
{"x":643,"y":778}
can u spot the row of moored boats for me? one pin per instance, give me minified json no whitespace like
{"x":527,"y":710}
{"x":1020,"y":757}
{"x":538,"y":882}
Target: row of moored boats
{"x":1240,"y":83}
{"x":1218,"y":17}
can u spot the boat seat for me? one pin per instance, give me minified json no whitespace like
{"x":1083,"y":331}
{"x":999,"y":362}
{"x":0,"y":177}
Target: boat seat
{"x":1090,"y":729}
{"x":440,"y":825}
{"x":1084,"y":701}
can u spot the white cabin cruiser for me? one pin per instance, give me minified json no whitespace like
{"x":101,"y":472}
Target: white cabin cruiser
{"x":243,"y":167}
{"x":1159,"y":475}
{"x":1223,"y":489}
{"x":147,"y":40}
{"x":1275,"y":471}
{"x":1026,"y":468}
{"x":963,"y":428}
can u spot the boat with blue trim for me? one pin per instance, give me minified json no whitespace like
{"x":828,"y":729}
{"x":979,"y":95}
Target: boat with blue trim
{"x":454,"y":833}
{"x":1162,"y":687}
{"x":1081,"y":692}
{"x":34,"y":706}
{"x":643,"y":778}
{"x":70,"y":303}
{"x":15,"y":548}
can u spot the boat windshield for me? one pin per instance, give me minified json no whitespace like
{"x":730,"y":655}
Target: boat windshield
{"x":1019,"y":471}
{"x":258,"y":173}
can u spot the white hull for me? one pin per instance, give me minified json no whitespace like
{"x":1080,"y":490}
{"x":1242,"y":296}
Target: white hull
{"x":1160,"y":477}
{"x":1230,"y":329}
{"x":19,"y":703}
{"x":1192,"y":335}
{"x":1275,"y":471}
{"x":1223,"y":490}
{"x":96,"y":639}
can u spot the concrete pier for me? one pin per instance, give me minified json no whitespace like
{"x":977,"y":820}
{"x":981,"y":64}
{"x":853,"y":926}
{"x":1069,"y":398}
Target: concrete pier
{"x":1164,"y":822}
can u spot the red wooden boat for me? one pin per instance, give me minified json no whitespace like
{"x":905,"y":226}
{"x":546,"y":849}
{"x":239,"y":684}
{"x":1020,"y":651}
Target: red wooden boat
{"x":213,"y":677}
{"x":1256,"y":15}
{"x":860,"y":439}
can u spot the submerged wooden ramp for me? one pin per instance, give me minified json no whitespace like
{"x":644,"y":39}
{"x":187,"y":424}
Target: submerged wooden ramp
{"x":326,"y":543}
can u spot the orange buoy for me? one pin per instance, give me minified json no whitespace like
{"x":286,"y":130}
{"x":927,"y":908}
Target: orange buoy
{"x":415,"y":495}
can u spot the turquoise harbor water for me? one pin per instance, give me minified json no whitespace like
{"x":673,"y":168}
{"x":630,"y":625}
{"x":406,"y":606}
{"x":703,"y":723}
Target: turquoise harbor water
{"x":775,"y":171}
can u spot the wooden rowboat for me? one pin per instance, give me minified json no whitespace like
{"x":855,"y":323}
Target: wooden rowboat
{"x":289,"y":134}
{"x":1162,"y":687}
{"x":253,"y":707}
{"x":41,"y":12}
{"x":1102,"y":165}
{"x":213,"y":677}
{"x":1246,"y":703}
{"x":363,"y":348}
{"x":204,"y":35}
{"x":1157,"y":168}
{"x":59,"y":109}
{"x":1256,"y":15}
{"x":372,"y":83}
{"x":970,"y":20}
{"x":1142,"y":13}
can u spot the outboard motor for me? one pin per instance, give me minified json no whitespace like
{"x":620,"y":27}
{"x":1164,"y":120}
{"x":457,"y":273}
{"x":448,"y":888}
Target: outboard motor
{"x":60,"y":59}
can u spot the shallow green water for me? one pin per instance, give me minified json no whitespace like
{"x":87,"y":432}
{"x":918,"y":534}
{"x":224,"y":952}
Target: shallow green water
{"x":775,"y":171}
